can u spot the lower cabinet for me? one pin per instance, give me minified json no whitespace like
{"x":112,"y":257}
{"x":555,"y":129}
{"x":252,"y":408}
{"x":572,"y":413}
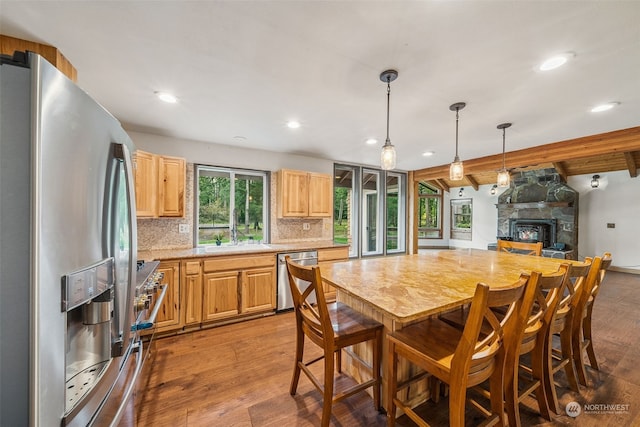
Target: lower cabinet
{"x":220,"y":295}
{"x":223,"y":288}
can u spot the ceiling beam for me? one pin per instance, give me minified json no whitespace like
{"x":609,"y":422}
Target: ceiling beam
{"x":442,"y":184}
{"x":631,"y":164}
{"x":620,"y":141}
{"x":562,"y":171}
{"x":472,"y":182}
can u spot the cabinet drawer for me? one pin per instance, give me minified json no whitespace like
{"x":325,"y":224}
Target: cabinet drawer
{"x":192,"y":267}
{"x":333,"y":254}
{"x":233,"y":263}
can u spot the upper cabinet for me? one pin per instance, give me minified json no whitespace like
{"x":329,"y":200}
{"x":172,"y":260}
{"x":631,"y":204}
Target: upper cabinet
{"x":303,"y":194}
{"x":160,"y":185}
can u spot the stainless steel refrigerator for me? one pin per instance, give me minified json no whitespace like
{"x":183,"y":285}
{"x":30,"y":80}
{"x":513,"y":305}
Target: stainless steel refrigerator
{"x":67,"y":249}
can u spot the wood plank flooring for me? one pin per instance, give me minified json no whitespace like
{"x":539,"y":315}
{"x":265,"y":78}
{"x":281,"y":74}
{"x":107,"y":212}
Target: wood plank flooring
{"x":238,"y":375}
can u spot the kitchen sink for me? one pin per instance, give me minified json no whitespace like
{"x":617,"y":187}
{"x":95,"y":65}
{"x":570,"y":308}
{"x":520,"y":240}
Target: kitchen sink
{"x":241,"y":247}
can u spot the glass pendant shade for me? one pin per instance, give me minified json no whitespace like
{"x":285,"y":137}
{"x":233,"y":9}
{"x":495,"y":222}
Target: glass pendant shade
{"x":595,"y":181}
{"x":456,"y":170}
{"x":504,"y":178}
{"x":388,"y":156}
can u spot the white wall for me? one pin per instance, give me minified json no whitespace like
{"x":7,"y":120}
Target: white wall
{"x":616,"y":201}
{"x":227,"y":155}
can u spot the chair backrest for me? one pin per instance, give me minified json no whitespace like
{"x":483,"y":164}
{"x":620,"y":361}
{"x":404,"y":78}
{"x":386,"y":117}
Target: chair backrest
{"x":546,"y":291}
{"x":604,"y":266}
{"x":309,"y":302}
{"x":574,"y":284}
{"x":478,"y":355}
{"x":520,"y":247}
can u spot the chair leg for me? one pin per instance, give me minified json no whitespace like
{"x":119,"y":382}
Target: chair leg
{"x":298,"y":361}
{"x":511,"y":396}
{"x":586,"y":328}
{"x":457,"y":402}
{"x":377,"y":352}
{"x":569,"y":367}
{"x":547,"y":380}
{"x":538,"y":357}
{"x":327,"y":398}
{"x":392,"y":384}
{"x":578,"y":361}
{"x":339,"y":360}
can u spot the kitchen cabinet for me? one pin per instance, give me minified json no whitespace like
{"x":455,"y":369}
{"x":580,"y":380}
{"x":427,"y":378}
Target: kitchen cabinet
{"x":160,"y":185}
{"x":191,"y":291}
{"x":304,"y":194}
{"x":168,"y":318}
{"x":8,"y":45}
{"x":221,"y":295}
{"x":340,"y":253}
{"x":227,"y":287}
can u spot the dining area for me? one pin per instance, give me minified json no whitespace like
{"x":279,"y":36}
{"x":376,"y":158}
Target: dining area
{"x":455,"y":323}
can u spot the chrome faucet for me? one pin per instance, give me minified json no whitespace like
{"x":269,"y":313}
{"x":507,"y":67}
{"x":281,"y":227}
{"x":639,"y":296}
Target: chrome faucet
{"x":234,"y":227}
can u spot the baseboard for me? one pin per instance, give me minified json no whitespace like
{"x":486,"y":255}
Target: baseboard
{"x":625,"y":270}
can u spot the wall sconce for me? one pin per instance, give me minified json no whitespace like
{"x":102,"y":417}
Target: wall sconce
{"x":595,"y":181}
{"x":494,"y":189}
{"x":461,"y":192}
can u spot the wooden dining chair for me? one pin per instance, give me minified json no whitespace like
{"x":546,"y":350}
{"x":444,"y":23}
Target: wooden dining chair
{"x":561,"y":325}
{"x":459,"y":358}
{"x":520,"y":247}
{"x":582,"y":338}
{"x":332,"y":327}
{"x":522,"y":380}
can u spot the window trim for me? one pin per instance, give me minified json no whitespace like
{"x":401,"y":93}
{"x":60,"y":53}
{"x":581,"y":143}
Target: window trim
{"x":440,"y":197}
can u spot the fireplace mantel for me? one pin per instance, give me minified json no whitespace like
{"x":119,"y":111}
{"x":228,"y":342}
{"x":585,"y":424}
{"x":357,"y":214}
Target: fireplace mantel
{"x":535,"y":205}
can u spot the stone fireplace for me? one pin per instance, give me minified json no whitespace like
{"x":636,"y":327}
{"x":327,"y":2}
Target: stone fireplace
{"x":539,"y":206}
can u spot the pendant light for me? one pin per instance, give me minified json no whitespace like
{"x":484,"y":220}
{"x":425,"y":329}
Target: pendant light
{"x":388,"y":155}
{"x":503,"y":174}
{"x":595,"y":181}
{"x":456,"y":170}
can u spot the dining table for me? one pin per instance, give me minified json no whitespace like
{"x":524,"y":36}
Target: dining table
{"x":404,"y":289}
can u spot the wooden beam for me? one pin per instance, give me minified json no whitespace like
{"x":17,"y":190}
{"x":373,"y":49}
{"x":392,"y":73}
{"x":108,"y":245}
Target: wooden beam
{"x":620,"y":141}
{"x":442,"y":184}
{"x":562,"y":171}
{"x":631,"y":164}
{"x":472,"y":182}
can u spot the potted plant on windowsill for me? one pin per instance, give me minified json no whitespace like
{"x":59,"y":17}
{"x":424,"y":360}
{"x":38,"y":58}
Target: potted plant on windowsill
{"x":218,"y":239}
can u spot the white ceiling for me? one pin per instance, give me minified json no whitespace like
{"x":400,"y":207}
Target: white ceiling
{"x":244,"y":68}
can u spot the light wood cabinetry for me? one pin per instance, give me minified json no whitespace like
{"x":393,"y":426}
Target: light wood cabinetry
{"x":303,"y":194}
{"x":227,"y":287}
{"x":169,"y":313}
{"x":8,"y":45}
{"x":220,"y":295}
{"x":160,"y":185}
{"x":327,"y":255}
{"x":191,"y":289}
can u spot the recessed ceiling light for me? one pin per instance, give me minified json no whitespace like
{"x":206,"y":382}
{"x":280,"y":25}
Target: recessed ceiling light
{"x":556,"y":61}
{"x":371,"y":141}
{"x":292,"y":124}
{"x":166,"y":97}
{"x":428,"y":153}
{"x":604,"y":107}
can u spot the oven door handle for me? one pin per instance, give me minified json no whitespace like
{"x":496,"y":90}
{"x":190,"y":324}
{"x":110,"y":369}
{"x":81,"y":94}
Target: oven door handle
{"x":148,"y":324}
{"x":138,"y":350}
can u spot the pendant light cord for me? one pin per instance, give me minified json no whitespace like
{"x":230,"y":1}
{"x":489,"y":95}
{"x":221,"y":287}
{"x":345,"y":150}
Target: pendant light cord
{"x":388,"y":104}
{"x":457,"y":110}
{"x":503,"y":148}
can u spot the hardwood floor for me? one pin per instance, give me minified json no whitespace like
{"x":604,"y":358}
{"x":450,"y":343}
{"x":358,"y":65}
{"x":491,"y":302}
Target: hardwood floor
{"x":238,"y":375}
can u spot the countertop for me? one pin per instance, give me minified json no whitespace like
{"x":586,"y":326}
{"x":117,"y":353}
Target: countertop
{"x":241,"y":249}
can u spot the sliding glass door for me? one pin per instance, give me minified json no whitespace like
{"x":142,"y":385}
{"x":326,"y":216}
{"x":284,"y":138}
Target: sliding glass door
{"x":369,"y":210}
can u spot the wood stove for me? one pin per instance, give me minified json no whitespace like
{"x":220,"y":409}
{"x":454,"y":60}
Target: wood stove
{"x":533,"y":231}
